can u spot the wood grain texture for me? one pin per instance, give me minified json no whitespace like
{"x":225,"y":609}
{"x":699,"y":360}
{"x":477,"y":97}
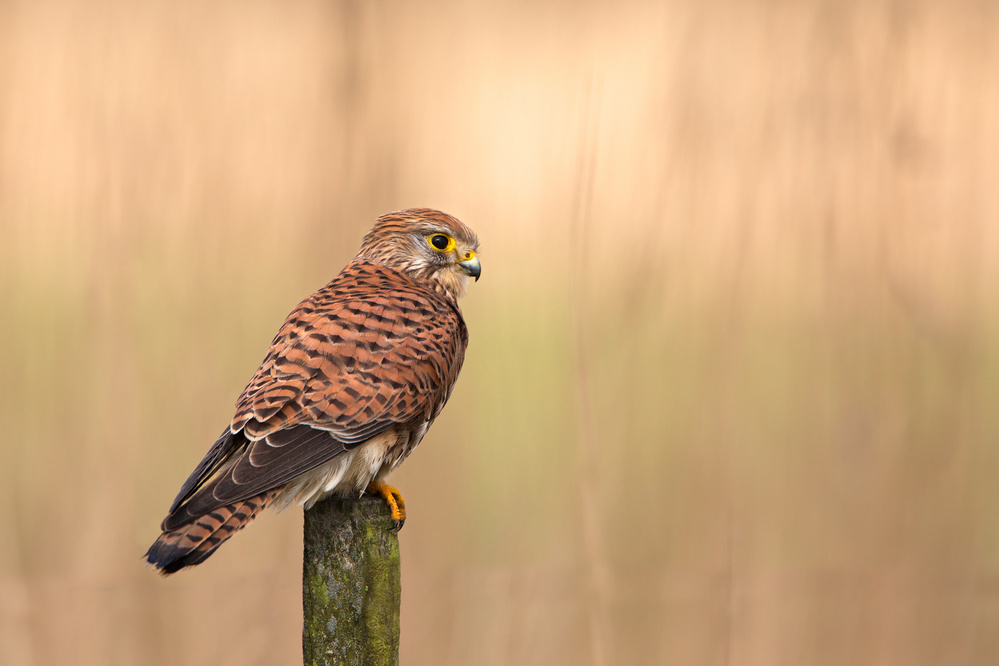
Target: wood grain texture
{"x":351,"y":587}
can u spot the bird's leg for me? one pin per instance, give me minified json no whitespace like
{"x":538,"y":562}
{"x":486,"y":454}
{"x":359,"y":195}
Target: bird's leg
{"x":392,"y":497}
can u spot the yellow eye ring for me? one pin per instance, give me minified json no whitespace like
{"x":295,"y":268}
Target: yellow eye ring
{"x":441,"y":242}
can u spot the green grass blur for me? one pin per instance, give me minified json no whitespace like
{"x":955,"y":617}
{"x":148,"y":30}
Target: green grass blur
{"x":732,"y":384}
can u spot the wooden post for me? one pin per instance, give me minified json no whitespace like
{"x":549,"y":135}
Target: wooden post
{"x":351,"y":588}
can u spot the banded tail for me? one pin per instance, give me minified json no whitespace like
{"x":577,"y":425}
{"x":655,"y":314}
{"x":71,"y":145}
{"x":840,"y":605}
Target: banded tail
{"x":192,"y":543}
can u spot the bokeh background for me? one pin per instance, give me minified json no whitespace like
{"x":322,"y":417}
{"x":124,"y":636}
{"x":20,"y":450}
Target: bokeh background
{"x":731,"y":396}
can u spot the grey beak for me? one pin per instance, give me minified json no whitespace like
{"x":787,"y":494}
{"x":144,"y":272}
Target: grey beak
{"x":471,"y":267}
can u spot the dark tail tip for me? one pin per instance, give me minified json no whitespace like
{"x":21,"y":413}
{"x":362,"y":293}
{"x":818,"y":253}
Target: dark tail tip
{"x":167,"y":557}
{"x":191,"y":543}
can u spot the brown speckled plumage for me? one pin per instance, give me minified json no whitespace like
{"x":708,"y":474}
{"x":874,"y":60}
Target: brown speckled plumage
{"x":349,"y":386}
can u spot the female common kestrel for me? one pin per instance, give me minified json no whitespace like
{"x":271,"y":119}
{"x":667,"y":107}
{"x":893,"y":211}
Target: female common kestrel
{"x":349,"y":387}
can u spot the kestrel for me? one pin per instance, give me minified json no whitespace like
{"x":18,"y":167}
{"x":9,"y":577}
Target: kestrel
{"x":349,"y":387}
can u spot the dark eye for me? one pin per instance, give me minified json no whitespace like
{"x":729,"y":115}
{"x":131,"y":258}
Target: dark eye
{"x":440,"y":241}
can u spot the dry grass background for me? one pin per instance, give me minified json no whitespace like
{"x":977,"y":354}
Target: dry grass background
{"x":731,"y":394}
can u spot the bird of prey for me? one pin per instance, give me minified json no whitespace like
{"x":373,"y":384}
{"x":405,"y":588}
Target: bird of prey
{"x":349,"y":387}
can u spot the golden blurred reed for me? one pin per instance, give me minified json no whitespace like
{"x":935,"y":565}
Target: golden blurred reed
{"x":731,"y":392}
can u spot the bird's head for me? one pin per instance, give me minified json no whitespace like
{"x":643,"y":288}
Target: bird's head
{"x":427,"y":245}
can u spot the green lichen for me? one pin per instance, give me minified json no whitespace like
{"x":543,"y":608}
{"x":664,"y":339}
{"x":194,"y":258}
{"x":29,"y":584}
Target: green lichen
{"x":351,"y":585}
{"x":317,"y":588}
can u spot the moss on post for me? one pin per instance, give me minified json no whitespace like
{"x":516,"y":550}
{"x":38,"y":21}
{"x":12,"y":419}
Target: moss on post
{"x":351,"y":588}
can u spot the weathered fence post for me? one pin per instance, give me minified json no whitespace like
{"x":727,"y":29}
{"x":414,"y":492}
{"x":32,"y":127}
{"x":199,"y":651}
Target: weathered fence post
{"x":351,"y":588}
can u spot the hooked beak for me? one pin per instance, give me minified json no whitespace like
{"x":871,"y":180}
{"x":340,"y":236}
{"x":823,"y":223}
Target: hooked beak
{"x":470,"y":265}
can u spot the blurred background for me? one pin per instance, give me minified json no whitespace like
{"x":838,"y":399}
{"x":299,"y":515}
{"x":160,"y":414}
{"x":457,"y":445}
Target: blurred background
{"x":731,"y":390}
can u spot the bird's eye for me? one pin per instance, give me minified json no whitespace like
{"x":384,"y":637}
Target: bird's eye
{"x":442,"y":242}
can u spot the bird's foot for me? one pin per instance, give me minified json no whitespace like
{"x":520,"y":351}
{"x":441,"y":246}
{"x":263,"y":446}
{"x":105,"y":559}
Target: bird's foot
{"x":393,"y":498}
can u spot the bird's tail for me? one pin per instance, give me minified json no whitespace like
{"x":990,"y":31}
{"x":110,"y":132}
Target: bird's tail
{"x":192,"y":543}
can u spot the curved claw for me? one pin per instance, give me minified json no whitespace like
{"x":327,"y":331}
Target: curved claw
{"x":392,"y":497}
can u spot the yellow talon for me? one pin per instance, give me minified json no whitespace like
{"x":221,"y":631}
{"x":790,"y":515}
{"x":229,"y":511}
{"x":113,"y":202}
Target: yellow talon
{"x":392,"y":497}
